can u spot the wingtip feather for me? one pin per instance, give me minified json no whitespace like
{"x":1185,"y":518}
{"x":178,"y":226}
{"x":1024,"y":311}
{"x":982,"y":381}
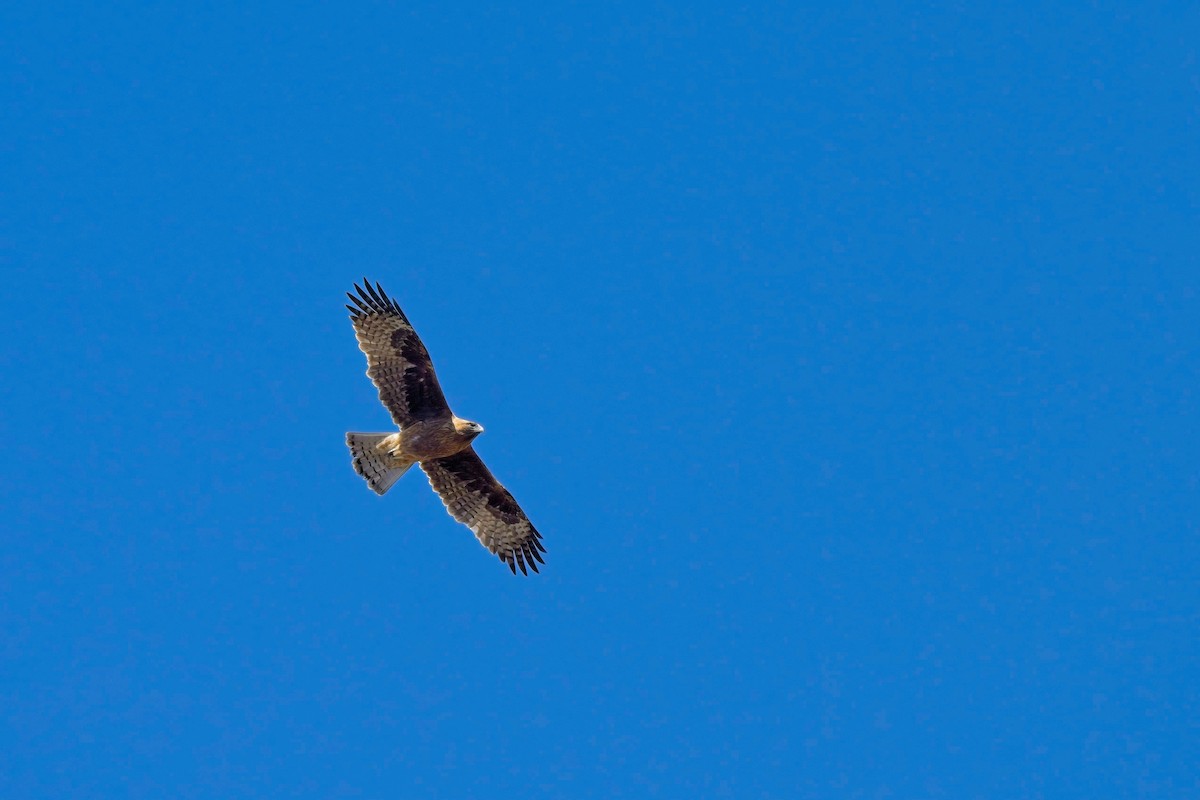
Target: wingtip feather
{"x":372,"y":299}
{"x":374,"y":296}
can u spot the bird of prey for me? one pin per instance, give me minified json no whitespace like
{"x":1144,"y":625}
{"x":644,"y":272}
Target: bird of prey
{"x":430,"y":434}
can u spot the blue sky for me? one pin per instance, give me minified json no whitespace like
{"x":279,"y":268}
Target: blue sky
{"x":846,"y":359}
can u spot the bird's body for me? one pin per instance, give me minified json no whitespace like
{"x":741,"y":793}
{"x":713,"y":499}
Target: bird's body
{"x":428,"y":439}
{"x":430,"y":434}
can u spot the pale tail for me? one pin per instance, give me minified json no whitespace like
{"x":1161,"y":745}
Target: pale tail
{"x":377,"y":468}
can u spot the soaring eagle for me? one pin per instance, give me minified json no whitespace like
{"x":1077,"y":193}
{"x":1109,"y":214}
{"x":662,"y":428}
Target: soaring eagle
{"x":430,"y":434}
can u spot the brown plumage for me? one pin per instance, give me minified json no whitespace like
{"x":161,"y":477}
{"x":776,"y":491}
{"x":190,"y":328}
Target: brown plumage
{"x":430,"y":434}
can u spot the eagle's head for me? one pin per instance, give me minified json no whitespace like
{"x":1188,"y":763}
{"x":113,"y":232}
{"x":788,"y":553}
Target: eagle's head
{"x":465,"y":427}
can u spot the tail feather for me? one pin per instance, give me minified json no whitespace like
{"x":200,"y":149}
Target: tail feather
{"x":379,"y":469}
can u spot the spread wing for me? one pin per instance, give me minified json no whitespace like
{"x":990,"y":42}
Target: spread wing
{"x":476,"y":499}
{"x":397,"y":362}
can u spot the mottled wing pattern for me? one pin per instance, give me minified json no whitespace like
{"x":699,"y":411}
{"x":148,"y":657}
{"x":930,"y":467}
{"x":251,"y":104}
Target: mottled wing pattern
{"x":397,"y":362}
{"x":476,"y":499}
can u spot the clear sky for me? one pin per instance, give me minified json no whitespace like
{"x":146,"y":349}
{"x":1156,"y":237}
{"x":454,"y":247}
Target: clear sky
{"x":846,"y":360}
